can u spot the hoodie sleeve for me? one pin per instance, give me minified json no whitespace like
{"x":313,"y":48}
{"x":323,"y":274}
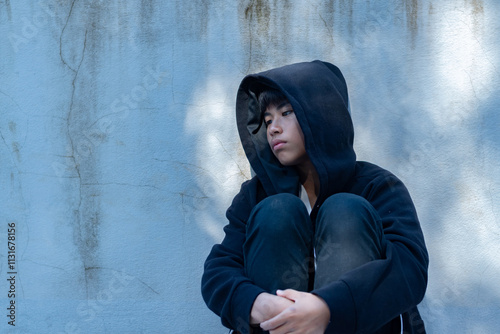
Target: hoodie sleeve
{"x":225,"y":288}
{"x":367,"y":297}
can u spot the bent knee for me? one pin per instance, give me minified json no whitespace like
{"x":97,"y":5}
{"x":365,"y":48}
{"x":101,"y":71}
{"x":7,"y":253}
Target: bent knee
{"x":345,"y":203}
{"x":278,"y":213}
{"x":348,"y":212}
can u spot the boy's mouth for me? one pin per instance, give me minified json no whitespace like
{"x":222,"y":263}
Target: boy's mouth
{"x":277,"y":144}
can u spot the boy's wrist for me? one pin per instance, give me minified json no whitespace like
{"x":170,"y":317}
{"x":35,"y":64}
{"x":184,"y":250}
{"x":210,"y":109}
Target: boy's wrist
{"x":260,"y":308}
{"x":266,"y":306}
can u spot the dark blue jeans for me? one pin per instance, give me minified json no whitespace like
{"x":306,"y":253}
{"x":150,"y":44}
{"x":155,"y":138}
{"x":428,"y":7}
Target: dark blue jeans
{"x":284,"y":250}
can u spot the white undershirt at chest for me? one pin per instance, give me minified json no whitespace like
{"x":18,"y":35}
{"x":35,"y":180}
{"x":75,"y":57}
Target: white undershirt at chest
{"x":304,"y":198}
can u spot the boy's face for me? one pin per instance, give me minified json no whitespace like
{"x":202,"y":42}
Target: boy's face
{"x":284,"y":134}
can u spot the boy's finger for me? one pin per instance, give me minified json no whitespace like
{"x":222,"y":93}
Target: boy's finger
{"x":275,"y":322}
{"x":289,"y":294}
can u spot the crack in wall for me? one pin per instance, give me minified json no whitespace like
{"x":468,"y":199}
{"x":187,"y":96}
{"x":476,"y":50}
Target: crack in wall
{"x":231,"y":157}
{"x":127,"y":275}
{"x":15,"y":146}
{"x":83,"y":239}
{"x":61,"y":36}
{"x":328,"y":28}
{"x":70,"y":114}
{"x":122,"y":184}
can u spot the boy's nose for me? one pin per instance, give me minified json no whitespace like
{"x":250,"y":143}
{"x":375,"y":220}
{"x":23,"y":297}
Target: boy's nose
{"x":275,"y":128}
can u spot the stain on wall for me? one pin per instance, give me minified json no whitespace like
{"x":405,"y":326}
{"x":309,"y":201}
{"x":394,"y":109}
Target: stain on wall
{"x":192,"y":20}
{"x":412,"y":15}
{"x":265,"y":26}
{"x":5,"y":9}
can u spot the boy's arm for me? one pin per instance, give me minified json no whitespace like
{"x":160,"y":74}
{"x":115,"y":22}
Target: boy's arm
{"x":225,"y":288}
{"x":267,"y":306}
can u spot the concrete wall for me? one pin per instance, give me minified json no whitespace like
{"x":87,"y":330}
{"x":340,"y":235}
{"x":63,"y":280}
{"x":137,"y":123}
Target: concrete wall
{"x":119,"y":153}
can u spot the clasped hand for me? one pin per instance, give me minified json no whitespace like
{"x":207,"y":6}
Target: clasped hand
{"x":290,"y":311}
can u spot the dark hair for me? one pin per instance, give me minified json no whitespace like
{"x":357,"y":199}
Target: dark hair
{"x":271,"y":97}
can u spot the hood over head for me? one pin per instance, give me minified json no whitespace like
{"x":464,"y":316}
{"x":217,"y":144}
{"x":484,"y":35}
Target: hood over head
{"x":318,"y":94}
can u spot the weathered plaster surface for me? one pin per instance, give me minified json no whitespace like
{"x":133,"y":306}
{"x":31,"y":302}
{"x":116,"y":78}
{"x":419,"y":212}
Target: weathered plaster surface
{"x":119,"y":152}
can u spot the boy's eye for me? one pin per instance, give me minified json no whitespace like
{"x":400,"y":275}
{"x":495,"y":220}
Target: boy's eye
{"x":288,"y":112}
{"x":268,"y":121}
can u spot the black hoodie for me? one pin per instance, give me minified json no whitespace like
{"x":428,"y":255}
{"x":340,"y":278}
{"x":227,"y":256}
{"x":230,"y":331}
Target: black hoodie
{"x":368,"y":299}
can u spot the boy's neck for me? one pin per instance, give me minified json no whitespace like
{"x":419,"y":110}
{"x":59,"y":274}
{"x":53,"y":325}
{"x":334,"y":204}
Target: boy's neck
{"x":309,"y":179}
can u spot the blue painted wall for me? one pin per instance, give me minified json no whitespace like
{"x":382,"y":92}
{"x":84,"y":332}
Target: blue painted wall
{"x":119,"y":153}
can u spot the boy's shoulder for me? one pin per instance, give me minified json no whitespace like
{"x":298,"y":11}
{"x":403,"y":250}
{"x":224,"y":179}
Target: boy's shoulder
{"x":365,"y":169}
{"x":367,"y":173}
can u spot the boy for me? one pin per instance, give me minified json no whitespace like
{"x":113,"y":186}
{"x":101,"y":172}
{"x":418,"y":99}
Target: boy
{"x":317,"y":242}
